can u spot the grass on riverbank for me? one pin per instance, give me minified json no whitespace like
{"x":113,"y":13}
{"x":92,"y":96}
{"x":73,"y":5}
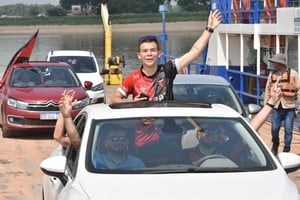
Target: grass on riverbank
{"x":115,"y":19}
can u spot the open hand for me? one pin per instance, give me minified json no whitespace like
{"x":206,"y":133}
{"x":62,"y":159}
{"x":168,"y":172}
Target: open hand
{"x":214,"y":19}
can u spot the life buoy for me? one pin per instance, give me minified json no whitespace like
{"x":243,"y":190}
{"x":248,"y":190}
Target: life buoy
{"x":286,"y":83}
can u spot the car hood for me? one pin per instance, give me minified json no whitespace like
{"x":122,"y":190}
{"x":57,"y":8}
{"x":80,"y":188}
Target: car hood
{"x":93,"y":77}
{"x":43,"y":94}
{"x":193,"y":186}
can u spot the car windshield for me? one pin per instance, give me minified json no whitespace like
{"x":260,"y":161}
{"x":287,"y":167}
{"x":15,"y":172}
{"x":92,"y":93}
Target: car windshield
{"x":172,"y":145}
{"x":43,"y":76}
{"x":80,"y":64}
{"x":207,"y":94}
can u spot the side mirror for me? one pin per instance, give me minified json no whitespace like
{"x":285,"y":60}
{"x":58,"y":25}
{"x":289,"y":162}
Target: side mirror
{"x":88,"y":85}
{"x":289,"y":161}
{"x":55,"y":166}
{"x":253,"y":108}
{"x":231,"y":79}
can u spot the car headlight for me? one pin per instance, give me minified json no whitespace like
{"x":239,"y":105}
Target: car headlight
{"x":81,"y":103}
{"x":17,"y":104}
{"x":98,"y":87}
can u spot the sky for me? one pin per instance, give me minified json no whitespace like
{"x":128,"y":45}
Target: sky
{"x":28,"y":2}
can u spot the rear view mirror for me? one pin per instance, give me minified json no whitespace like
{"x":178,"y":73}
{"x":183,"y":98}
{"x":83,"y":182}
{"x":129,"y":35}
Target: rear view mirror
{"x":88,"y":84}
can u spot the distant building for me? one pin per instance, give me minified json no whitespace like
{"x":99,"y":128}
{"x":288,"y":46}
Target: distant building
{"x":76,"y":9}
{"x":81,"y":9}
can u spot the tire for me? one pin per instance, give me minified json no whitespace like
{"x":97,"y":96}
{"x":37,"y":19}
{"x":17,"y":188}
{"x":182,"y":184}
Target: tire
{"x":6,"y":133}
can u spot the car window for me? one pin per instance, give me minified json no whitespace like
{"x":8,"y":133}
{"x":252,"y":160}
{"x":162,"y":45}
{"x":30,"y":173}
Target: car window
{"x":44,"y":76}
{"x":208,"y":94}
{"x":25,"y":77}
{"x":80,"y":64}
{"x":158,"y":144}
{"x":72,"y":153}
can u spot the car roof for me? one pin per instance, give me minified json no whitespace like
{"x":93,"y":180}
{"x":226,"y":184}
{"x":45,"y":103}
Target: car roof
{"x":42,"y":63}
{"x":70,"y":53}
{"x":155,"y":109}
{"x":200,"y":79}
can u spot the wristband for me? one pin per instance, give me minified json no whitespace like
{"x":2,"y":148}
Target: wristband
{"x":209,"y":29}
{"x":271,"y":105}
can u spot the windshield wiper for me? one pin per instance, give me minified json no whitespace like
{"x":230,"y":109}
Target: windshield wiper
{"x":184,"y":169}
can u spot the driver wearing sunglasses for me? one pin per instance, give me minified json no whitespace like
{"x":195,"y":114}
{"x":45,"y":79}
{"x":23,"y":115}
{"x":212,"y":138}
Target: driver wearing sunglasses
{"x":116,"y":154}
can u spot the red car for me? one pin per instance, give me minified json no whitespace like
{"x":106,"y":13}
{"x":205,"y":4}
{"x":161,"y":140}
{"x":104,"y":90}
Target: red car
{"x":30,"y":92}
{"x":29,"y":96}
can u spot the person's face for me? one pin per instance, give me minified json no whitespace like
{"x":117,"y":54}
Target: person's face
{"x":214,"y":135}
{"x":147,"y":121}
{"x":117,"y":142}
{"x":208,"y":140}
{"x":148,"y":53}
{"x":279,"y":67}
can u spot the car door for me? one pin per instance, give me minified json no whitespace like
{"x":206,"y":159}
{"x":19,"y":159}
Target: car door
{"x":55,"y":189}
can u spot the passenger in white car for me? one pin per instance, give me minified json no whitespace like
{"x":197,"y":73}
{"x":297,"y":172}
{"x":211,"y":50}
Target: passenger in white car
{"x":72,"y":136}
{"x":115,"y":155}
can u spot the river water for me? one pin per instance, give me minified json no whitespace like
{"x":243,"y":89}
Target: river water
{"x":123,"y":44}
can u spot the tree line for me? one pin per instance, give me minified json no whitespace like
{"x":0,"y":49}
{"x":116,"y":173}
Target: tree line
{"x":114,"y":6}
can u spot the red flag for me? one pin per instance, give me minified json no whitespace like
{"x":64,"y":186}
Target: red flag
{"x":22,"y":55}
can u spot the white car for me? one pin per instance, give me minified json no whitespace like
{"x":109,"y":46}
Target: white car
{"x":210,"y":89}
{"x":86,"y":67}
{"x":163,"y":141}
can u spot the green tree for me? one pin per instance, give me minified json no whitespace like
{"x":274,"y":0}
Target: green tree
{"x":56,"y":11}
{"x":66,"y":4}
{"x":119,"y":6}
{"x":134,"y":6}
{"x":193,"y":5}
{"x":34,"y":10}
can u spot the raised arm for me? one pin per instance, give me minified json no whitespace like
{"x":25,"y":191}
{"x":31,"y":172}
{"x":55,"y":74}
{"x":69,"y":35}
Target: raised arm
{"x":60,"y":133}
{"x":65,"y":107}
{"x":213,"y":21}
{"x":263,"y":114}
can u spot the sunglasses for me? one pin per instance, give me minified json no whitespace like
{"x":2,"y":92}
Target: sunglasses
{"x":147,"y":120}
{"x":147,"y":38}
{"x":122,"y":139}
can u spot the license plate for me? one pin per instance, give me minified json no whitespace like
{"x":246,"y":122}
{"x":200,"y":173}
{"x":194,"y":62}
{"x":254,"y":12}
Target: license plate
{"x":49,"y":115}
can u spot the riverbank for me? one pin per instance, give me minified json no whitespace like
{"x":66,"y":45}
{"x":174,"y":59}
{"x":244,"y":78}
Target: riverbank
{"x":79,"y":29}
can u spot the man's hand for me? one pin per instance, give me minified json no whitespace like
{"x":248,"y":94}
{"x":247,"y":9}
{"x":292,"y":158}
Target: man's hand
{"x":66,"y":103}
{"x":214,"y":19}
{"x":141,"y":97}
{"x":275,"y":93}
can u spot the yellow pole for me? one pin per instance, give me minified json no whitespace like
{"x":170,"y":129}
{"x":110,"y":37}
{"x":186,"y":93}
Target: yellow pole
{"x":107,"y":38}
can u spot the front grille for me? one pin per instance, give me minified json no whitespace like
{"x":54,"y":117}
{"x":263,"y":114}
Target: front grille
{"x":49,"y":106}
